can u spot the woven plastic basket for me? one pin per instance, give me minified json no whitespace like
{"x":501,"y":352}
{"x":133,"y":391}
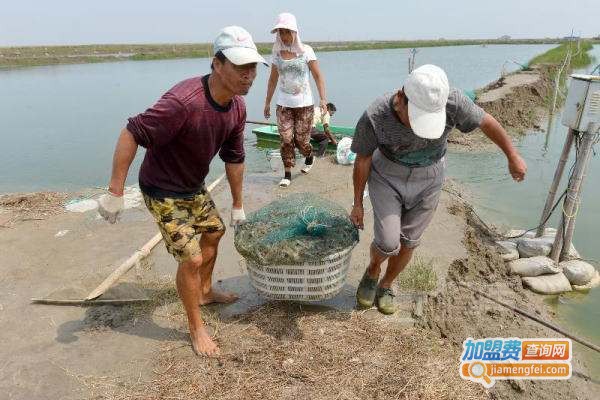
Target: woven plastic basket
{"x":306,"y":282}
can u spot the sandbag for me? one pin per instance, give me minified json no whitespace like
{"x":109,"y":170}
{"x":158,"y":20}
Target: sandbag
{"x":548,"y":284}
{"x":532,"y":247}
{"x":578,"y":272}
{"x":343,"y":154}
{"x":508,"y":250}
{"x":542,"y":246}
{"x":533,"y":266}
{"x":591,"y":284}
{"x":516,"y":234}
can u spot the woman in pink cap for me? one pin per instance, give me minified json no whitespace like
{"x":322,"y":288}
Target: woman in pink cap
{"x":290,"y":67}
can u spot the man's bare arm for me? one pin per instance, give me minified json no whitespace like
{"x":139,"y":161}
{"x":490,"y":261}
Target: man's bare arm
{"x":496,"y":133}
{"x":360,"y":175}
{"x":235,"y":176}
{"x":122,"y":158}
{"x":328,"y":133}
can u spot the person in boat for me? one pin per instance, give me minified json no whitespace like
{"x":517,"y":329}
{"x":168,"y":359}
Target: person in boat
{"x":190,"y":124}
{"x":291,"y":64}
{"x":400,"y":144}
{"x":325,"y":137}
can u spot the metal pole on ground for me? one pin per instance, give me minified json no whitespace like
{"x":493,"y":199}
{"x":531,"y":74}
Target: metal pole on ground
{"x":556,"y":181}
{"x":533,"y":317}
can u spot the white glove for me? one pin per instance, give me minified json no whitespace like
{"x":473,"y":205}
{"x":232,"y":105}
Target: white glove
{"x":110,"y":206}
{"x":237,"y":216}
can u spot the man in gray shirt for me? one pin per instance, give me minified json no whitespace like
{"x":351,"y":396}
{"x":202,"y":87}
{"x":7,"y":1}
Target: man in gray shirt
{"x":400,"y":143}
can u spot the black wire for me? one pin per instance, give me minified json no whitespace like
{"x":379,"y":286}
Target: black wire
{"x":578,"y":138}
{"x":571,"y":170}
{"x":543,"y":222}
{"x":490,"y":230}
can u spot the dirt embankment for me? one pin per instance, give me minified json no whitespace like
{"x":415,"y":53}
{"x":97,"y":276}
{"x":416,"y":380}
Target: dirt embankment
{"x":517,"y":100}
{"x":459,"y":313}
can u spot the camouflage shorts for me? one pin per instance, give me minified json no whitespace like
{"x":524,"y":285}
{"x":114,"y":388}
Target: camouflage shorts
{"x":182,"y":221}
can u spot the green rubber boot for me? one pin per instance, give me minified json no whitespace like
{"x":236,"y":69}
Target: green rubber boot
{"x":367,"y":289}
{"x":385,"y":301}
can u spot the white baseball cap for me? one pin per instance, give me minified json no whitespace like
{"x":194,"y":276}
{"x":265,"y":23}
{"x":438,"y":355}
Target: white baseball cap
{"x":427,"y":91}
{"x":236,"y":44}
{"x":285,"y":21}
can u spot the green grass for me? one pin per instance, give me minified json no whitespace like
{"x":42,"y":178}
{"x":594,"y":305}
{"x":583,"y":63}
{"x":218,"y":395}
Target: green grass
{"x":558,"y":54}
{"x":419,"y":275}
{"x":555,"y":57}
{"x":16,"y":57}
{"x":403,"y":44}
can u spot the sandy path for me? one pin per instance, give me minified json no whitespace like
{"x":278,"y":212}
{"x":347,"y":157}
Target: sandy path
{"x":47,"y":351}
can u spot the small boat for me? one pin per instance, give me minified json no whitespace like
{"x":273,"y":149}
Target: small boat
{"x":268,"y":136}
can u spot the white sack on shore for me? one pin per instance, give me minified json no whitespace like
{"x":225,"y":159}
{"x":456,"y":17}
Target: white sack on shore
{"x":578,"y":272}
{"x":595,"y":282}
{"x":548,"y":284}
{"x":532,"y":247}
{"x":527,"y":234}
{"x":542,"y":246}
{"x":508,"y":250}
{"x":533,"y":266}
{"x":344,"y":155}
{"x":81,"y":206}
{"x":132,"y":197}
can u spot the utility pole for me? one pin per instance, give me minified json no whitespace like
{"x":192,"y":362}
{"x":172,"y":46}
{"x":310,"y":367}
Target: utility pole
{"x":555,"y":182}
{"x":582,"y":116}
{"x":411,"y":60}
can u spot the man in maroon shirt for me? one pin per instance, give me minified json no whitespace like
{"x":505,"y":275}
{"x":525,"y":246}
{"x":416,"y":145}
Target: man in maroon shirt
{"x":182,"y":132}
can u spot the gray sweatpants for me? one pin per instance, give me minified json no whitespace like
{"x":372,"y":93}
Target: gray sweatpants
{"x":404,"y":201}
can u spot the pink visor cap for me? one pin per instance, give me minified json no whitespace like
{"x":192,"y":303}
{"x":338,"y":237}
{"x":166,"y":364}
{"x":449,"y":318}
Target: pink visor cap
{"x":285,"y":21}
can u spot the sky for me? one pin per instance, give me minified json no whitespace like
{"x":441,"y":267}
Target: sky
{"x":41,"y":22}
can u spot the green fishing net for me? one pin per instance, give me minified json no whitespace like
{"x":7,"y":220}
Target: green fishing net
{"x":299,"y":228}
